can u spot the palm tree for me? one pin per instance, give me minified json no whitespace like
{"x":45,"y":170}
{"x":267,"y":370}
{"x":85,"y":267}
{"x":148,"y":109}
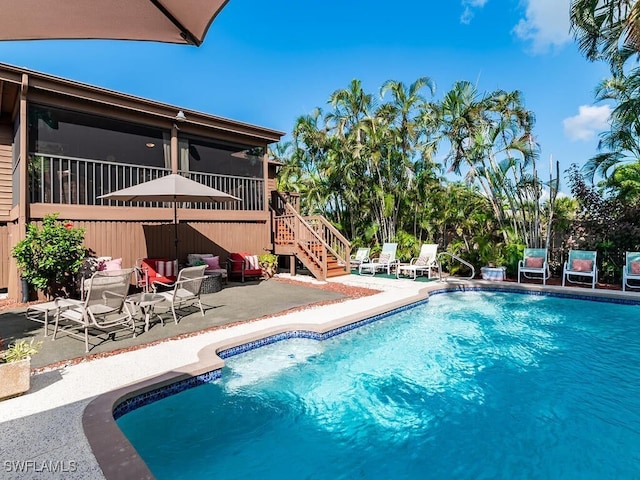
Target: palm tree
{"x":606,"y":29}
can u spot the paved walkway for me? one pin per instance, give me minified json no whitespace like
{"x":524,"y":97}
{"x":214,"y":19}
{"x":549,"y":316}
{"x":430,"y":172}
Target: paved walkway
{"x":42,"y":430}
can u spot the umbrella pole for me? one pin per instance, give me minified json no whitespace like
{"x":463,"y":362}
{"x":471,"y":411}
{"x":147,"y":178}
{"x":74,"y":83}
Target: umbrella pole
{"x":175,"y":225}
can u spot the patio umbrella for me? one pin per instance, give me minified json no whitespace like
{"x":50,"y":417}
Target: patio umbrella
{"x":170,"y":188}
{"x":171,"y":21}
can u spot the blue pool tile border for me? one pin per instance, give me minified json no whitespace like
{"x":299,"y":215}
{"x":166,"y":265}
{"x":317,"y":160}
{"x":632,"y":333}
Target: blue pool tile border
{"x":208,"y":377}
{"x":146,"y":398}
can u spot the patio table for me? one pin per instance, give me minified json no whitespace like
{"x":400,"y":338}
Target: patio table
{"x":146,"y":302}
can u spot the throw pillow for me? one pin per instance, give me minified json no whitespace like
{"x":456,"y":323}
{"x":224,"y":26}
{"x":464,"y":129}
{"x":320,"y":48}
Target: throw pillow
{"x":582,"y":265}
{"x":115,"y":264}
{"x":251,"y":262}
{"x":635,"y":268}
{"x":384,"y":258}
{"x":534,"y":262}
{"x":213,"y":263}
{"x":422,"y":261}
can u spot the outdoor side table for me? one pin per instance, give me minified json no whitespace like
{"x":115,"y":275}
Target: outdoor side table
{"x":146,"y":302}
{"x":212,"y":283}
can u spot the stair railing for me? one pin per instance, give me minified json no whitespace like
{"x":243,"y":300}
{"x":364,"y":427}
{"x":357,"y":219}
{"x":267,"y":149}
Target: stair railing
{"x":336,"y":243}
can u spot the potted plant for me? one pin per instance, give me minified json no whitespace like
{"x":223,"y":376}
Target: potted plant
{"x":15,"y":368}
{"x":269,"y":264}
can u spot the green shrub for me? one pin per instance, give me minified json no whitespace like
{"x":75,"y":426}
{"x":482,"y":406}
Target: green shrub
{"x":48,"y":257}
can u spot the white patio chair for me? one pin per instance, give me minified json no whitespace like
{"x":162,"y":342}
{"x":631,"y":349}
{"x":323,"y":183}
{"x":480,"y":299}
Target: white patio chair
{"x":186,"y":290}
{"x":361,"y":256}
{"x":581,"y":263}
{"x":103,"y":307}
{"x":631,"y":270}
{"x":384,"y":261}
{"x":424,"y":262}
{"x":534,"y":265}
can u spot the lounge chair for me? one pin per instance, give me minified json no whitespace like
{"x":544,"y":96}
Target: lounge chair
{"x":361,"y":256}
{"x":581,"y":263}
{"x":384,"y":261}
{"x":186,"y":289}
{"x":533,"y":264}
{"x":103,"y":307}
{"x":631,"y":270}
{"x":424,"y":262}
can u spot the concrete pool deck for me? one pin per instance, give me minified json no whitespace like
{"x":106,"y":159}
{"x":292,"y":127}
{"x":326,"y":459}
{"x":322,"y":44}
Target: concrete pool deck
{"x":42,"y":433}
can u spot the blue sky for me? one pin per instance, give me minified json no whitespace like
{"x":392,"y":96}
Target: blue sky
{"x":267,"y":63}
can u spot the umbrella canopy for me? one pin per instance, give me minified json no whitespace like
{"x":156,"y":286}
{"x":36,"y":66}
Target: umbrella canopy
{"x":171,"y":21}
{"x":170,"y":188}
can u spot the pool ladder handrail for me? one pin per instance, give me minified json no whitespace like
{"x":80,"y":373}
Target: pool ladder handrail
{"x":455,"y":257}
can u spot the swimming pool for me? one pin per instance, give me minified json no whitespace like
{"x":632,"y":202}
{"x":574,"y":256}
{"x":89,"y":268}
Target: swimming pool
{"x":467,"y":385}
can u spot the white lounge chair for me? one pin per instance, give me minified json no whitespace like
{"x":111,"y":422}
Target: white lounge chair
{"x":424,"y":262}
{"x":385,"y":261}
{"x":361,"y":256}
{"x":581,"y":263}
{"x":534,"y":265}
{"x":103,"y":307}
{"x":631,"y":270}
{"x":186,"y":290}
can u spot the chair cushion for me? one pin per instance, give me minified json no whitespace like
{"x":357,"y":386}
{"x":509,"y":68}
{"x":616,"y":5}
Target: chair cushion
{"x":534,"y":262}
{"x":635,"y":268}
{"x":192,"y":258}
{"x":580,"y":265}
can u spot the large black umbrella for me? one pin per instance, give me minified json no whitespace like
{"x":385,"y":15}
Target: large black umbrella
{"x":170,"y":188}
{"x":171,"y":21}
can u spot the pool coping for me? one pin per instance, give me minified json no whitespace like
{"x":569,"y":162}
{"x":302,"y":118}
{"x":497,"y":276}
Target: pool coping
{"x":117,"y":458}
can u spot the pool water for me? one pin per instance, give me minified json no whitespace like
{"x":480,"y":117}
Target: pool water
{"x":466,"y":386}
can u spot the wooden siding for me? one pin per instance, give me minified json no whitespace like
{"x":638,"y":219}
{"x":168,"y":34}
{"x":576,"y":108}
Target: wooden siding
{"x":5,"y":256}
{"x":5,"y":171}
{"x":133,"y":240}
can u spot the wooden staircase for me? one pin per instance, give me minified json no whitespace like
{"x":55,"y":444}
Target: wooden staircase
{"x":312,"y":240}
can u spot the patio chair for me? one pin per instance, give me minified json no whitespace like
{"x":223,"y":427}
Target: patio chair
{"x":424,"y":262}
{"x":186,"y":290}
{"x":581,"y":263}
{"x":384,"y":261}
{"x":150,"y":271}
{"x":631,"y":270}
{"x":534,"y":265}
{"x":243,"y":265}
{"x":103,"y":307}
{"x":361,"y":256}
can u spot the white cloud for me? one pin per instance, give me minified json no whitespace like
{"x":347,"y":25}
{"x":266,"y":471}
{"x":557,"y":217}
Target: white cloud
{"x":469,"y":6}
{"x":589,"y":120}
{"x":545,"y":25}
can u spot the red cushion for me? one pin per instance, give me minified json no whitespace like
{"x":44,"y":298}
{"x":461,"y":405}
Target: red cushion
{"x":635,"y":268}
{"x":582,"y":265}
{"x":160,"y":278}
{"x":534,"y":262}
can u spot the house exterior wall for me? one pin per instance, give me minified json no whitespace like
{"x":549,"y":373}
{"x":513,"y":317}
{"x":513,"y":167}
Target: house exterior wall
{"x":123,"y":232}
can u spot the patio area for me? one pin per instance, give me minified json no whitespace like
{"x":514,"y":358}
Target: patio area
{"x":237,"y":302}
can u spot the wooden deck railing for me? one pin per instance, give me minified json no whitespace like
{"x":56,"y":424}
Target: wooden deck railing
{"x":80,"y":181}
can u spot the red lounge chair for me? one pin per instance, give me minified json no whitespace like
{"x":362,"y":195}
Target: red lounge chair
{"x":243,"y":265}
{"x":147,"y":273}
